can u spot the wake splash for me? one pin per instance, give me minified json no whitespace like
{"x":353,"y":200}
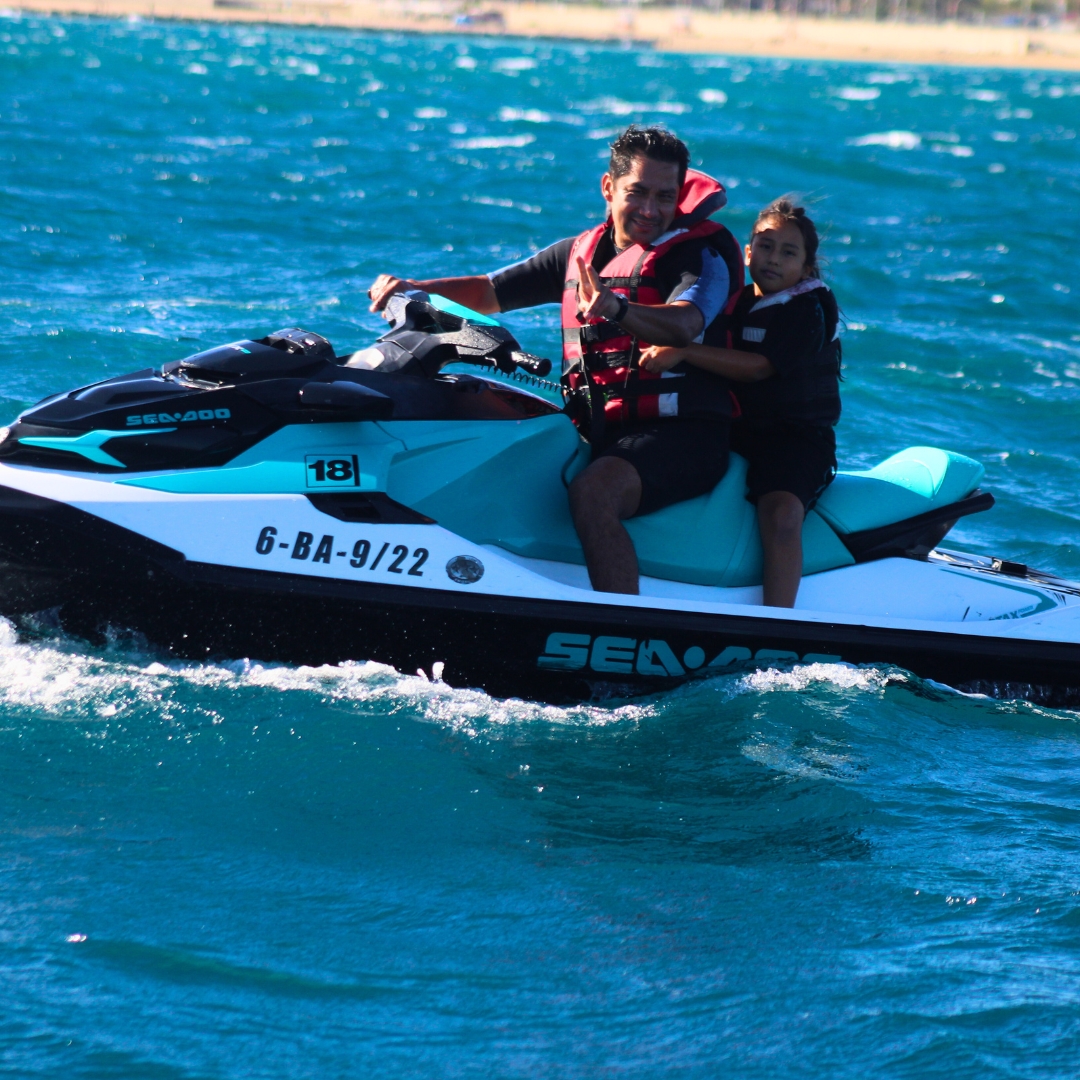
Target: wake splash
{"x":803,"y":676}
{"x":59,"y":679}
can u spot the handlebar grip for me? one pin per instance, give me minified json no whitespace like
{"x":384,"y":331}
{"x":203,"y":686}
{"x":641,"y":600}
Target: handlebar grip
{"x":534,"y":365}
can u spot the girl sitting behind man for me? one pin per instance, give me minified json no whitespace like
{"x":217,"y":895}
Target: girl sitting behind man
{"x":778,"y":345}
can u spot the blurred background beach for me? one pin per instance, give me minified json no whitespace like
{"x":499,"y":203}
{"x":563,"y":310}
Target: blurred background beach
{"x":1027,"y":33}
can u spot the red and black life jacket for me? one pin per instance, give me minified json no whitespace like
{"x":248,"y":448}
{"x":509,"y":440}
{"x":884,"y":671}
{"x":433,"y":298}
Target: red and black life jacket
{"x":600,"y":359}
{"x":808,"y":392}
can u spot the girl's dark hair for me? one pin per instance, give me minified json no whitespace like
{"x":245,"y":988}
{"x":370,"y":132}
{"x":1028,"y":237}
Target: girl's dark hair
{"x":656,"y":143}
{"x":784,"y":210}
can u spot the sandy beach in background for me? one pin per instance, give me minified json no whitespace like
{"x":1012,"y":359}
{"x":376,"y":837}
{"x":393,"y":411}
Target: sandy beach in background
{"x":666,"y":29}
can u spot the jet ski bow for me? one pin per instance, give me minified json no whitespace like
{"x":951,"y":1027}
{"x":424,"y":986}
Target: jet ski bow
{"x":406,"y":503}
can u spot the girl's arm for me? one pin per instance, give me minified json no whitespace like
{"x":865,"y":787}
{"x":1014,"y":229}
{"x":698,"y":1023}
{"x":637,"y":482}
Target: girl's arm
{"x":731,"y":363}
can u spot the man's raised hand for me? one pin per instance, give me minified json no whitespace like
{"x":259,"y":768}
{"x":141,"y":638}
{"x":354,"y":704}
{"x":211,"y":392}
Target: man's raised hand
{"x":595,"y":301}
{"x":384,"y":286}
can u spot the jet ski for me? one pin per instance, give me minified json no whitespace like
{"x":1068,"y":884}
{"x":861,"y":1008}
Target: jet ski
{"x":406,"y":503}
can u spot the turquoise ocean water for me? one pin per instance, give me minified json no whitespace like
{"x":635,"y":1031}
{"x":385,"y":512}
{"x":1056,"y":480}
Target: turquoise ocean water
{"x":246,"y":870}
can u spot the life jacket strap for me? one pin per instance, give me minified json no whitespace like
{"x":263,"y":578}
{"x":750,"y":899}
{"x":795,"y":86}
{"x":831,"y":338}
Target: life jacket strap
{"x":593,"y":333}
{"x":647,"y":281}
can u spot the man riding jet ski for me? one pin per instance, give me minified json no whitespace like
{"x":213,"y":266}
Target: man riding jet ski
{"x":406,"y":503}
{"x":658,"y":271}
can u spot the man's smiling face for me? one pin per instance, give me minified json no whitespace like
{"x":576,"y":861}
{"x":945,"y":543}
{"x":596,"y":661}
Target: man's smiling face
{"x":643,"y":202}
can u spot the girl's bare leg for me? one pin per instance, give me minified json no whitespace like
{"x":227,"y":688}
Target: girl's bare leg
{"x":780,"y":522}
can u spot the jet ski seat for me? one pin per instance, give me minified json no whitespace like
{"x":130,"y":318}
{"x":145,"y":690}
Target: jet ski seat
{"x":916,"y":480}
{"x":516,"y":499}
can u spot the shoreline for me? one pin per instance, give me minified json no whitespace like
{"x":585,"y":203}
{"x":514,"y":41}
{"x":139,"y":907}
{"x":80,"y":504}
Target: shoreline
{"x":663,"y":29}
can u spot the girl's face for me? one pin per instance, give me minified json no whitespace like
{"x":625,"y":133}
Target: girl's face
{"x":776,"y":256}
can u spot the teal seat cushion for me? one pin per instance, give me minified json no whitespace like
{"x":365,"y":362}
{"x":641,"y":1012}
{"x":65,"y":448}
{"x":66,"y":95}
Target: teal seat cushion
{"x":506,"y":489}
{"x":909,"y":483}
{"x":501,"y":483}
{"x":713,"y":540}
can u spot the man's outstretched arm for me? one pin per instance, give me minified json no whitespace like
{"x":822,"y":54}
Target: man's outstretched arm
{"x":678,"y":323}
{"x":474,"y":292}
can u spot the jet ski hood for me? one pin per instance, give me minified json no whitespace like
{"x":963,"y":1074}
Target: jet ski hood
{"x":204,"y":410}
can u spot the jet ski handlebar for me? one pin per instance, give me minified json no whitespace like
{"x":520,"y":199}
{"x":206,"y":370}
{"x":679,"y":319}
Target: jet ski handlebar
{"x":427,"y":333}
{"x":539,"y":366}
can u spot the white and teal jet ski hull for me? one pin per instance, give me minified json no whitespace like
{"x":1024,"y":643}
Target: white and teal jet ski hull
{"x":417,"y":518}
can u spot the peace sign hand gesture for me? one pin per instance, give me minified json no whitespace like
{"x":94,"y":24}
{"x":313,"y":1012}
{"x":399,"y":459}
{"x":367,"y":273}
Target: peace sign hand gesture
{"x":595,"y":301}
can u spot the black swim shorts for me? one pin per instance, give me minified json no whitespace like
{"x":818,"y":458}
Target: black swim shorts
{"x":676,"y":459}
{"x":800,"y":458}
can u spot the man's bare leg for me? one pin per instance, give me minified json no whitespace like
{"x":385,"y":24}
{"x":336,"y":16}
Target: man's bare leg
{"x":600,"y":497}
{"x":780,"y":522}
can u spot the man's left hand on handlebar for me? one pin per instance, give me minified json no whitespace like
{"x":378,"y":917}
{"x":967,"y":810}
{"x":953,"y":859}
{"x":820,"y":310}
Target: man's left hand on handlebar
{"x":384,"y":286}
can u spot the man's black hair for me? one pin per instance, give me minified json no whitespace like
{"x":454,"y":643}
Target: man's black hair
{"x":656,"y":143}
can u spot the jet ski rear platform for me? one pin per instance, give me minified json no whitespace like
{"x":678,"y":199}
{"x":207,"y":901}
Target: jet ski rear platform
{"x":273,"y":500}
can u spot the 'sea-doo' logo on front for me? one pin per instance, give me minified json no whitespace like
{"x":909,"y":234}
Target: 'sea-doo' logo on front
{"x":144,"y":419}
{"x":652,"y":656}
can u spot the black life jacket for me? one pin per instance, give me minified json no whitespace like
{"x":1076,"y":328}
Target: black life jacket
{"x":600,"y":360}
{"x":810,"y":392}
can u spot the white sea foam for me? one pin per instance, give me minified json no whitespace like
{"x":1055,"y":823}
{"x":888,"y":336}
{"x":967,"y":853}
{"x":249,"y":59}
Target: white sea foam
{"x":510,"y":204}
{"x":429,"y":113}
{"x":894,"y":140}
{"x":367,"y":682}
{"x":530,"y":116}
{"x":956,"y":275}
{"x":955,"y":149}
{"x":511,"y":65}
{"x":211,"y":143}
{"x":858,"y":93}
{"x":712,"y":97}
{"x":492,"y":142}
{"x":58,"y":682}
{"x":614,"y":106}
{"x":842,"y":676}
{"x":298,"y":66}
{"x":63,"y":683}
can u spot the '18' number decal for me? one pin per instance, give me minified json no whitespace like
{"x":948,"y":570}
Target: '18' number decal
{"x":332,"y":472}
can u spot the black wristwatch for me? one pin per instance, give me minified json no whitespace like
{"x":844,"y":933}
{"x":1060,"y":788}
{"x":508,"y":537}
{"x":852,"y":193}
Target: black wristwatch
{"x":624,"y":307}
